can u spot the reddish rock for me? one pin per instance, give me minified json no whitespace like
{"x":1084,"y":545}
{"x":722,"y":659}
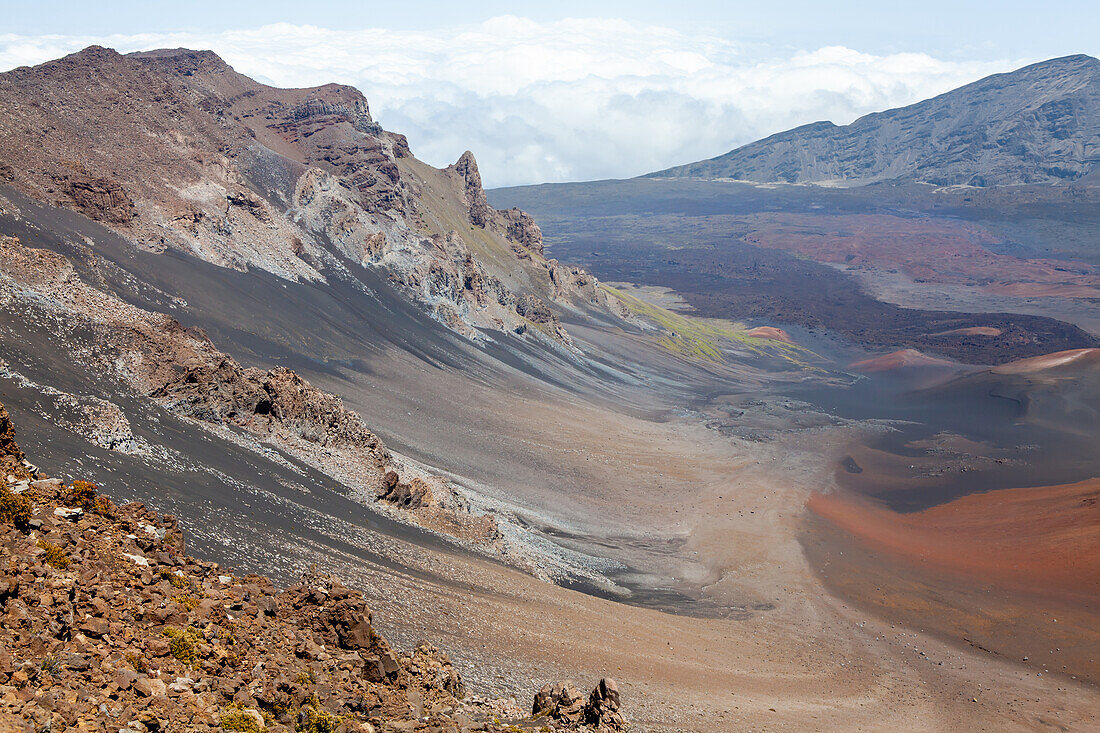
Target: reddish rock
{"x":150,"y":687}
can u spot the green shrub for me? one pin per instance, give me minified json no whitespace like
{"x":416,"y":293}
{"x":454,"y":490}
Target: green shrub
{"x":85,"y":495}
{"x":312,"y":719}
{"x":184,"y":644}
{"x":55,"y":556}
{"x":176,"y":581}
{"x":234,"y":718}
{"x":51,"y":664}
{"x":137,"y":662}
{"x":14,"y":508}
{"x":81,"y":494}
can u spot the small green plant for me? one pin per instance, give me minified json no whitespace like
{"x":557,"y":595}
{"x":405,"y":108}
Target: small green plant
{"x":306,"y":678}
{"x":81,"y":494}
{"x":51,"y":664}
{"x":14,"y":508}
{"x":85,"y":495}
{"x":55,"y":557}
{"x":228,"y":634}
{"x":174,"y":580}
{"x":184,"y":644}
{"x":312,"y":719}
{"x":187,"y":600}
{"x":136,"y":661}
{"x":236,"y":718}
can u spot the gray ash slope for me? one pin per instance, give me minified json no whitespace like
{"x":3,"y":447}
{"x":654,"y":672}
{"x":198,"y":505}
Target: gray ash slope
{"x":1039,"y":124}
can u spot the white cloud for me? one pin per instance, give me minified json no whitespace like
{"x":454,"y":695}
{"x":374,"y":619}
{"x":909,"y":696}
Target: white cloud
{"x":566,"y":100}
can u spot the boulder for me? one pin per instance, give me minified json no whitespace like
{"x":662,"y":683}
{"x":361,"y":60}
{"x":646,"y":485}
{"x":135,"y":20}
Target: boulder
{"x":602,"y":710}
{"x":563,"y":703}
{"x":150,"y":687}
{"x":560,"y":701}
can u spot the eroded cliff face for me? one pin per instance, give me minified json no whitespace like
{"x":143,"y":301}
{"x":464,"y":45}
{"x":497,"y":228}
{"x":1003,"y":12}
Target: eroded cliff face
{"x":182,"y":370}
{"x":174,"y":149}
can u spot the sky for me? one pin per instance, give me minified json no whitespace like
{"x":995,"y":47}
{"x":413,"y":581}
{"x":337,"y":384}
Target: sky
{"x":547,"y":92}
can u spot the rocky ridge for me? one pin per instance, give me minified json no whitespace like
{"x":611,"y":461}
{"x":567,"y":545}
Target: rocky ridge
{"x":1035,"y":125}
{"x":108,"y":625}
{"x":174,"y":149}
{"x":182,"y":370}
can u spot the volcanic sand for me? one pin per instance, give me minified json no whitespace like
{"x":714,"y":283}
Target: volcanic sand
{"x":721,"y":520}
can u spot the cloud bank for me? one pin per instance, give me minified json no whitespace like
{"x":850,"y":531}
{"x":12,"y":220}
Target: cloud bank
{"x":566,"y":100}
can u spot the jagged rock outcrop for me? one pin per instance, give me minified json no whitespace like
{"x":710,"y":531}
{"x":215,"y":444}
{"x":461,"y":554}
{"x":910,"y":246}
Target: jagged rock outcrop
{"x":436,"y":505}
{"x":184,"y":371}
{"x":275,"y":403}
{"x":520,"y":227}
{"x":1039,"y":124}
{"x":11,"y":456}
{"x":412,"y":495}
{"x":603,"y":709}
{"x":477,"y":204}
{"x":516,"y":225}
{"x":562,"y":702}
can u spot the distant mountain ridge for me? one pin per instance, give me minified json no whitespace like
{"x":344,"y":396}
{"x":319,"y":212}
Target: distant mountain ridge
{"x":1036,"y":125}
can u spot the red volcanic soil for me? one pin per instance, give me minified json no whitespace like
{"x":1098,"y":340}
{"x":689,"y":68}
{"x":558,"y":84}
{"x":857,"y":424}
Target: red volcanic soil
{"x":770,"y":332}
{"x":1045,"y":290}
{"x":972,"y":331}
{"x":1013,"y":573}
{"x":898,"y":360}
{"x":1034,"y":539}
{"x":1072,"y":359}
{"x":924,"y":249}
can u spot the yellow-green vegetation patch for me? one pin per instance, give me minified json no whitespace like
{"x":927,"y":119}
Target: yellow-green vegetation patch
{"x":136,"y":661}
{"x":55,"y":556}
{"x":174,"y":579}
{"x":184,"y":644}
{"x":187,"y":601}
{"x":701,"y":338}
{"x":85,"y":495}
{"x":312,"y":719}
{"x":14,"y":508}
{"x":237,"y":718}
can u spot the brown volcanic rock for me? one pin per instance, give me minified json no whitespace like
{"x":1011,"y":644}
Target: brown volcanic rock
{"x":562,"y":703}
{"x":267,"y":403}
{"x":11,"y":456}
{"x":98,"y":198}
{"x":521,"y":228}
{"x":516,"y":225}
{"x":466,"y":169}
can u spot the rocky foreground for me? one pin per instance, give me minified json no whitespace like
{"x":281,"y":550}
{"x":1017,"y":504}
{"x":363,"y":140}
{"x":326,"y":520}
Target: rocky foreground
{"x":108,"y":625}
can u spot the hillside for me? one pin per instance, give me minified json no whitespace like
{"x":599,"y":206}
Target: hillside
{"x":176,"y":151}
{"x":109,"y":624}
{"x":1039,"y":124}
{"x":253,"y":318}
